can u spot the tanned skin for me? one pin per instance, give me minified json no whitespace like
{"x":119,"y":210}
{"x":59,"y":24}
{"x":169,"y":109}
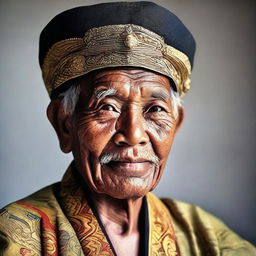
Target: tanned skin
{"x":127,"y":112}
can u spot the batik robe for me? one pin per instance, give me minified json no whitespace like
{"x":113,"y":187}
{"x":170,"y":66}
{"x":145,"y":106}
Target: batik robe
{"x":62,"y":220}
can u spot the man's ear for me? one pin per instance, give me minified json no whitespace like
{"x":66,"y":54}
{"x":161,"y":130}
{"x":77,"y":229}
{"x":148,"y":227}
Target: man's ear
{"x":180,"y":118}
{"x":61,"y":123}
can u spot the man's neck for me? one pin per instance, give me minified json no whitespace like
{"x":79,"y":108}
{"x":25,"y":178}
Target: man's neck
{"x":120,"y":218}
{"x":122,"y":213}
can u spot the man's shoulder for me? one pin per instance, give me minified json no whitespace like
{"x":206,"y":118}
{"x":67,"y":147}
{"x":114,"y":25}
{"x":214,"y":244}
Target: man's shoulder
{"x":204,"y":230}
{"x":186,"y":210}
{"x":179,"y":208}
{"x":34,"y":206}
{"x":23,"y":222}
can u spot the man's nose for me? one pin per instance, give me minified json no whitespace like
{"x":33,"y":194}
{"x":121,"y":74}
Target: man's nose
{"x":131,"y":130}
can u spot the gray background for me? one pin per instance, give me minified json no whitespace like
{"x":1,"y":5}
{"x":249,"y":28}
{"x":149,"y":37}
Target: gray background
{"x":212,"y":163}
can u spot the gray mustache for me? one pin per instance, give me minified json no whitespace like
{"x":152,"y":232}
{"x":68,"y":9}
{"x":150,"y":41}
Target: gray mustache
{"x":108,"y":157}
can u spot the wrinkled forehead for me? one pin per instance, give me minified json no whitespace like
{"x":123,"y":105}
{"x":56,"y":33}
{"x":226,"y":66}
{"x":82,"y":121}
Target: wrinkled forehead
{"x":125,"y":81}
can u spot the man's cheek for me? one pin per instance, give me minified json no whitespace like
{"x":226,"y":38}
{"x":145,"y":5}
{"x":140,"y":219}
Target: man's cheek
{"x":159,"y":132}
{"x":95,"y":136}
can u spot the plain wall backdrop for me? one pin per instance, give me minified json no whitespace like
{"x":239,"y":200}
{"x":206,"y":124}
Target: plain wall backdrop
{"x":212,"y":162}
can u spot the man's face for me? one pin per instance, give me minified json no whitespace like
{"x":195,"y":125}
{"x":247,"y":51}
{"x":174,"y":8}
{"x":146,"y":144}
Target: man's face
{"x":122,"y":131}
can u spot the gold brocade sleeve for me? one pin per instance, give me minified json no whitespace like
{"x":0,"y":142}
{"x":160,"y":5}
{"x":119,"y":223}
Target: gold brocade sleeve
{"x":200,"y":233}
{"x":37,"y":226}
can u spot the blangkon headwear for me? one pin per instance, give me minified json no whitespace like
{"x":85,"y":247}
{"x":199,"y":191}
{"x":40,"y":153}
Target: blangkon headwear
{"x":109,"y":35}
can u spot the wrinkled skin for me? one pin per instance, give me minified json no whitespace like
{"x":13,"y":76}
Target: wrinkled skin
{"x":127,"y":112}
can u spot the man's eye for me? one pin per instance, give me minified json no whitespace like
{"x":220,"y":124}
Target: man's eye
{"x":108,"y":107}
{"x":156,"y":109}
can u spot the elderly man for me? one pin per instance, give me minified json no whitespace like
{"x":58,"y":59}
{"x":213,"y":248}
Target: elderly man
{"x":115,"y":83}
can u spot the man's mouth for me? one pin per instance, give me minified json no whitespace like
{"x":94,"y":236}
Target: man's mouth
{"x":131,"y":167}
{"x":127,"y":161}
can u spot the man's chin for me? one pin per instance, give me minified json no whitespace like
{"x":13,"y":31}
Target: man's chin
{"x":131,"y":188}
{"x":129,"y":195}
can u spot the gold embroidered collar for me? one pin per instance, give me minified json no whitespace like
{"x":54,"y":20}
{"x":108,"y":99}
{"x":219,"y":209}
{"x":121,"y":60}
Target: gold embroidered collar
{"x":91,"y":234}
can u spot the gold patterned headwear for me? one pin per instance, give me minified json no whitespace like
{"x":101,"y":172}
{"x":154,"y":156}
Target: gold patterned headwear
{"x":114,"y":35}
{"x":115,"y":46}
